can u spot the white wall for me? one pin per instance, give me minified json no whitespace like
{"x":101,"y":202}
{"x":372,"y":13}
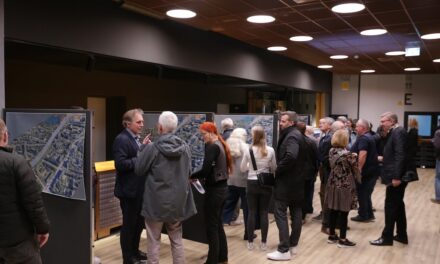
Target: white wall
{"x":345,"y":95}
{"x":380,"y":93}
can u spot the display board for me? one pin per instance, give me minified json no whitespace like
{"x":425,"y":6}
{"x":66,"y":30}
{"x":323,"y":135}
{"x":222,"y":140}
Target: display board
{"x":188,"y":130}
{"x":427,"y":122}
{"x":57,"y":145}
{"x":307,"y":119}
{"x":247,"y":121}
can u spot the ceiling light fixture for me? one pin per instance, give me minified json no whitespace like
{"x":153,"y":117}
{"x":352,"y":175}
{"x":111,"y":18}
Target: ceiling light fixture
{"x":338,"y":57}
{"x":395,"y":53}
{"x":436,"y":60}
{"x":181,"y":13}
{"x":260,"y":19}
{"x":431,"y":36}
{"x":325,"y":66}
{"x":374,"y":32}
{"x":368,"y":71}
{"x":412,"y":69}
{"x":277,"y":48}
{"x":301,"y":38}
{"x":348,"y":8}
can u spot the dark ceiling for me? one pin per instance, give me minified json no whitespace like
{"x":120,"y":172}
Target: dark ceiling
{"x":405,"y":21}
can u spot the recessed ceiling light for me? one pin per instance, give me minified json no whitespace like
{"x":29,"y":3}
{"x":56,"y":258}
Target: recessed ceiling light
{"x":368,"y":71}
{"x":436,"y":60}
{"x":373,"y":32}
{"x":325,"y":66}
{"x":301,"y":38}
{"x":261,"y":19}
{"x":348,"y":8}
{"x":181,"y":13}
{"x":277,"y":48}
{"x":431,"y":36}
{"x":412,"y":69}
{"x":338,"y":57}
{"x":395,"y":53}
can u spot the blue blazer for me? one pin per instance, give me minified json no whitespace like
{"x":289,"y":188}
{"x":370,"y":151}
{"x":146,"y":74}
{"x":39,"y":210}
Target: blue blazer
{"x":128,"y":184}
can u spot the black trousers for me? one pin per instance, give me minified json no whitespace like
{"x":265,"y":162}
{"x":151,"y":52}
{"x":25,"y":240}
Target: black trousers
{"x":338,"y":217}
{"x":288,"y":240}
{"x":26,"y":252}
{"x":395,"y":212}
{"x":214,"y":202}
{"x":258,"y":199}
{"x":132,"y":225}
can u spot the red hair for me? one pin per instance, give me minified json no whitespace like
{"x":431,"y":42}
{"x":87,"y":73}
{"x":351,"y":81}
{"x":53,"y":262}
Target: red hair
{"x":211,"y":128}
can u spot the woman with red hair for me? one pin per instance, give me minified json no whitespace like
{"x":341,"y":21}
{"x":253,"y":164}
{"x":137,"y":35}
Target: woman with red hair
{"x":217,"y":165}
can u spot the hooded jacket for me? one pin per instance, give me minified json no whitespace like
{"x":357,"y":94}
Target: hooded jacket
{"x":166,"y":164}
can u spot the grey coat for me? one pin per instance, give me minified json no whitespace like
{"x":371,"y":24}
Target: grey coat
{"x":166,"y":164}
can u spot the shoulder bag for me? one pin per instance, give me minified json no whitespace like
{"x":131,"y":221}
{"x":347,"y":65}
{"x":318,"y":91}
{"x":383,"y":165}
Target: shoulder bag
{"x":265,"y":179}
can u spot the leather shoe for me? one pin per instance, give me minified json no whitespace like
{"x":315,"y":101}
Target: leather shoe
{"x":141,"y":255}
{"x":381,"y":242}
{"x":403,"y":240}
{"x":325,"y":230}
{"x":358,"y":218}
{"x":132,"y":260}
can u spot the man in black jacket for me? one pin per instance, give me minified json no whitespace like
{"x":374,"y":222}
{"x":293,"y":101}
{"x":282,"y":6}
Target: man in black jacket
{"x":289,"y":186}
{"x":24,"y":225}
{"x":129,"y":187}
{"x":394,"y":167}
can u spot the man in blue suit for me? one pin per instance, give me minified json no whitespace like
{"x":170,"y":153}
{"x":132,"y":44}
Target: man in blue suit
{"x":129,"y":187}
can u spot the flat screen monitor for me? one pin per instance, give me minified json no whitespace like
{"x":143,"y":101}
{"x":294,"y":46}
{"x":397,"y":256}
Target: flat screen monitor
{"x":424,"y":122}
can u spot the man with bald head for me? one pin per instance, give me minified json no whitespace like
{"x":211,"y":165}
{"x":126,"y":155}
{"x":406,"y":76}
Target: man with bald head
{"x":365,"y":147}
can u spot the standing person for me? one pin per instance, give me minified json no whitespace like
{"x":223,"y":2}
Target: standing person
{"x":227,"y":127}
{"x":217,"y":165}
{"x":129,"y":187}
{"x":436,"y":142}
{"x":258,"y":197}
{"x":237,"y":180}
{"x":324,"y":147}
{"x":340,"y":195}
{"x":24,"y":225}
{"x":394,"y":167}
{"x":310,"y":169}
{"x":365,"y":148}
{"x":289,"y":186}
{"x":166,"y":165}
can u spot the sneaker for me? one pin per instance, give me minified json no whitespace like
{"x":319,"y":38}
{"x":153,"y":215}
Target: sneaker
{"x":263,"y":246}
{"x":276,"y":255}
{"x":332,"y":239}
{"x":345,"y":243}
{"x":250,"y":246}
{"x":293,"y":250}
{"x":358,"y":218}
{"x":435,"y":201}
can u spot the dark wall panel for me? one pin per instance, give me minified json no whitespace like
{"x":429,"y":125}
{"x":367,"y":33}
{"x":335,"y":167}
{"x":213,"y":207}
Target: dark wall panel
{"x":102,"y":27}
{"x":38,"y":85}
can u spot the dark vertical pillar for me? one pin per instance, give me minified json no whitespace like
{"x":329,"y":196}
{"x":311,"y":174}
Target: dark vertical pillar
{"x":2,"y":54}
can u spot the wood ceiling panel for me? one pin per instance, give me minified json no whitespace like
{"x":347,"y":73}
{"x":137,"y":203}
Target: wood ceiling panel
{"x":361,"y":20}
{"x":264,"y":4}
{"x":306,"y":27}
{"x":333,"y":33}
{"x":393,"y":17}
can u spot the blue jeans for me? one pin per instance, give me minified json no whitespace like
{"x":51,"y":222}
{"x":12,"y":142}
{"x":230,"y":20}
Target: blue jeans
{"x":437,"y":180}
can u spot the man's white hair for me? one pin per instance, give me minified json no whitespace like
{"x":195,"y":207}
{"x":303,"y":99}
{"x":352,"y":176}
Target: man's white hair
{"x":227,"y":123}
{"x":168,"y":120}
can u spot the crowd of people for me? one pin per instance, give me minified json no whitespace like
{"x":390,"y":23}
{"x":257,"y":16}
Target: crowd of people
{"x":153,"y":185}
{"x":348,"y":156}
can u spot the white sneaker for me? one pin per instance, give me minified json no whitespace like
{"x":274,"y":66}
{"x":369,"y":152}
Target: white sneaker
{"x":250,"y":245}
{"x":293,"y":250}
{"x":276,"y":255}
{"x":263,"y":246}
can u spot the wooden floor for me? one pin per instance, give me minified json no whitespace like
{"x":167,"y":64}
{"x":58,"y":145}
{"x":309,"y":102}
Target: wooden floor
{"x":423,"y":231}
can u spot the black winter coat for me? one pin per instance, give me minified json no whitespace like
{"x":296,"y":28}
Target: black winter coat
{"x":289,"y":175}
{"x":22,"y":212}
{"x":394,"y":158}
